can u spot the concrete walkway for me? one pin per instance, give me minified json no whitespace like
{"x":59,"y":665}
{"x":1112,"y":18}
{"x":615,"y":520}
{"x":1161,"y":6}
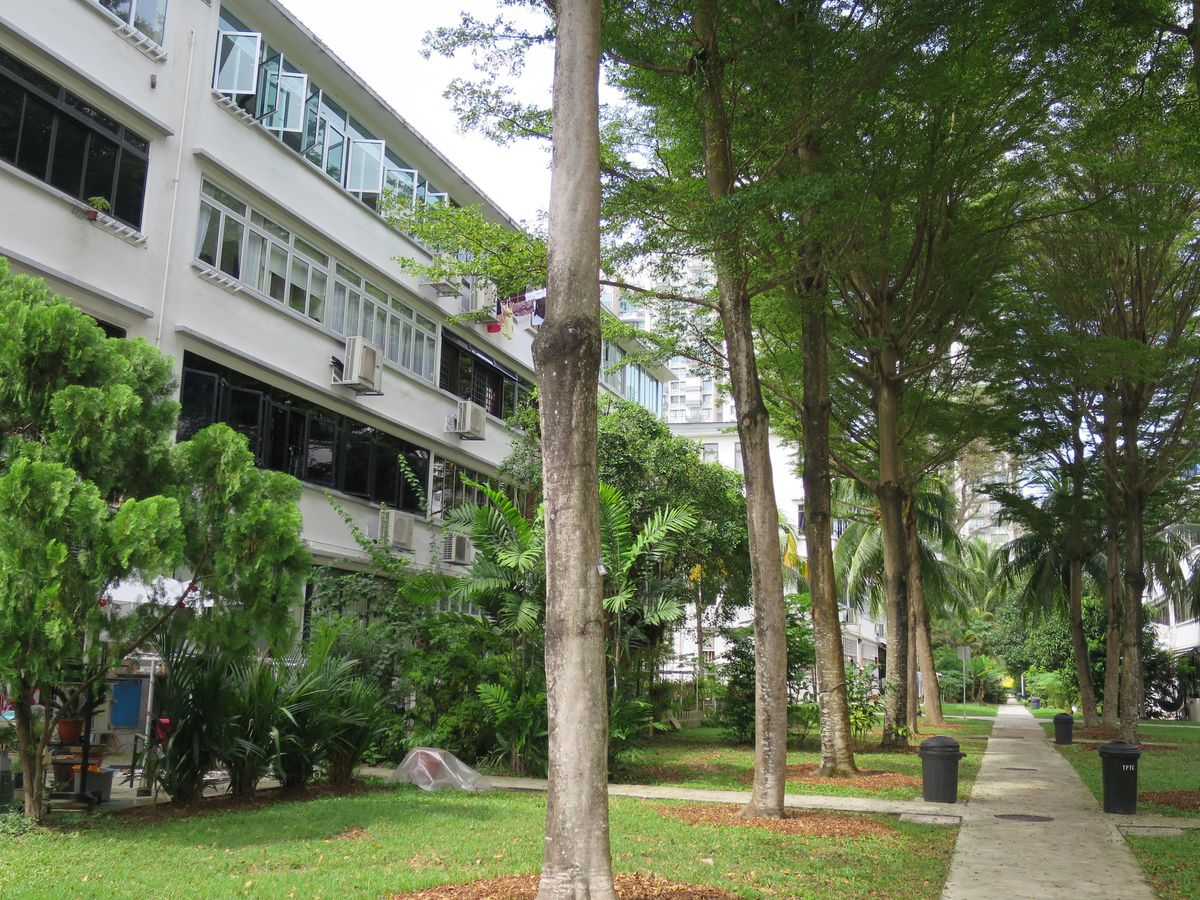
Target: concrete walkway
{"x":1077,"y":852}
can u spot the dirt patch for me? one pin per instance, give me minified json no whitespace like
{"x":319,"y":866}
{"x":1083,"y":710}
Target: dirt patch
{"x":795,"y":821}
{"x":353,"y":833}
{"x":524,"y":887}
{"x":225,"y":804}
{"x":866,"y":780}
{"x":1189,"y":800}
{"x":1095,"y":746}
{"x":1099,"y":732}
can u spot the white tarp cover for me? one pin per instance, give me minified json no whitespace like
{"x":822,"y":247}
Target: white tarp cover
{"x":438,"y":770}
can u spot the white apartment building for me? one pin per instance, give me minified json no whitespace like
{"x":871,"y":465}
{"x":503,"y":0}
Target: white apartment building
{"x":237,"y":165}
{"x":863,"y":639}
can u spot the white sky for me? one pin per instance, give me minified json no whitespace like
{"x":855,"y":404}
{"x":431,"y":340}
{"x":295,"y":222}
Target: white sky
{"x":381,"y":40}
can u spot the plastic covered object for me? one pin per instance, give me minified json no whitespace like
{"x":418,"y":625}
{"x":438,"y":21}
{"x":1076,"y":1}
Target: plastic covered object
{"x":431,"y":769}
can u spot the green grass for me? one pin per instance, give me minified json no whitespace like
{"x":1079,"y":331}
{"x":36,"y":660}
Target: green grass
{"x":397,"y":840}
{"x":705,"y":758}
{"x":1170,"y":863}
{"x":1168,"y":769}
{"x":971,"y":709}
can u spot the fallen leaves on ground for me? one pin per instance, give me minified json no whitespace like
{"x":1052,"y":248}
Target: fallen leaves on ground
{"x":795,"y":821}
{"x":524,"y":887}
{"x":1189,"y":800}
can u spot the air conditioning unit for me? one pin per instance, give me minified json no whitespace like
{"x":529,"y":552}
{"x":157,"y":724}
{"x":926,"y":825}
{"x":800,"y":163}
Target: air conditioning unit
{"x":481,"y":299}
{"x":880,"y":630}
{"x":395,"y":529}
{"x":445,"y":287}
{"x":362,"y":367}
{"x":456,"y":549}
{"x":468,"y":421}
{"x":843,"y":614}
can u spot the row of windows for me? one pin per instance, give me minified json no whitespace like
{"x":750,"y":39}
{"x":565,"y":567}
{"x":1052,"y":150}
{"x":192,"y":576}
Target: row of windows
{"x":61,"y":139}
{"x":630,"y":381}
{"x":273,"y":262}
{"x":449,"y":491}
{"x":467,"y":373}
{"x":281,"y":96}
{"x":292,"y":435}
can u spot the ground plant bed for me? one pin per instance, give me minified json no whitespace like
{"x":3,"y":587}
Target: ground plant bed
{"x":396,"y":841}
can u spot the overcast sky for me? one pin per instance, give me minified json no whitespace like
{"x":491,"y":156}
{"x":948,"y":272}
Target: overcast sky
{"x":381,"y":40}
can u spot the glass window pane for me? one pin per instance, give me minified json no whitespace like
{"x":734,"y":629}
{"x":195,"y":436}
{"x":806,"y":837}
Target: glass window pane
{"x":289,"y":103}
{"x":298,"y":287}
{"x":337,"y":308}
{"x":277,"y":273}
{"x":335,"y":150}
{"x":223,"y":197}
{"x":12,"y":99}
{"x":352,"y":303}
{"x":366,"y":167}
{"x":349,"y":275}
{"x":208,"y":235}
{"x":245,"y":416}
{"x":231,"y":248}
{"x":402,"y":183}
{"x":237,"y":62}
{"x":254,"y":267}
{"x":393,"y":340}
{"x":406,"y":345}
{"x":267,"y":96}
{"x":198,"y":402}
{"x":34,"y":152}
{"x":357,"y":471}
{"x":131,"y":189}
{"x":319,"y":456}
{"x":310,"y":251}
{"x":316,"y":295}
{"x":313,"y":140}
{"x":151,"y":19}
{"x":101,"y":167}
{"x":70,"y":151}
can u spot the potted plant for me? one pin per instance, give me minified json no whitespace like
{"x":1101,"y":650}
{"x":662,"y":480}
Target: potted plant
{"x":72,"y":709}
{"x":96,"y":205}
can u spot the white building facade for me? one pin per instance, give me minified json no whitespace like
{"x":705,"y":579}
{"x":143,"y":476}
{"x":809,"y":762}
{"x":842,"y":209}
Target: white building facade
{"x":206,"y":176}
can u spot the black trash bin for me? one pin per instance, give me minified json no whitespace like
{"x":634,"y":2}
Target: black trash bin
{"x":1063,"y":725}
{"x":939,"y":769}
{"x":1035,"y":702}
{"x":1119,"y":761}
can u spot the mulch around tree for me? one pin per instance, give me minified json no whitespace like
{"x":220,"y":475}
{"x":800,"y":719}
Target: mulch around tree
{"x":795,"y":821}
{"x":1149,"y":747}
{"x":1189,"y":800}
{"x":524,"y":887}
{"x":866,"y":780}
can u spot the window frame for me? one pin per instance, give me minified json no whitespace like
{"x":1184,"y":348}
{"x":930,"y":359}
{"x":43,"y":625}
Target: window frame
{"x":237,"y":90}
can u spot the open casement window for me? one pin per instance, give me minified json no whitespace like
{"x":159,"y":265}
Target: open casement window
{"x":334,"y":162}
{"x":365,"y":175}
{"x":436,"y":198}
{"x":312,"y":136}
{"x":236,"y":72}
{"x":401,"y":184}
{"x":282,"y":96}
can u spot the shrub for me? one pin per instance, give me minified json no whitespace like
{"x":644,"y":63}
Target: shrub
{"x":866,"y":707}
{"x":359,"y":714}
{"x":804,"y":717}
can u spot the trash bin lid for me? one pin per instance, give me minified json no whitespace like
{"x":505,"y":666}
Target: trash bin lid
{"x":938,"y":745}
{"x":1064,"y":717}
{"x":1120,"y":750}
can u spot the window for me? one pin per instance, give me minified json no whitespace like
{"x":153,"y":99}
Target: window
{"x":147,"y":16}
{"x":708,"y":453}
{"x":262,"y":81}
{"x":267,"y":258}
{"x":737,"y":457}
{"x":63,"y":140}
{"x":449,"y":491}
{"x":472,"y":375}
{"x":800,"y":521}
{"x":305,"y":440}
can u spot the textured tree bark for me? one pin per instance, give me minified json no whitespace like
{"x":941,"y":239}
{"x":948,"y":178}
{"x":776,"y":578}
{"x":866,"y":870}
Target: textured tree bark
{"x":837,"y":740}
{"x":766,"y":562}
{"x":1113,"y":588}
{"x":1132,"y":689}
{"x":32,"y":751}
{"x":919,"y":624}
{"x":576,"y":858}
{"x":895,"y":566}
{"x":1083,"y":666}
{"x":913,"y":712}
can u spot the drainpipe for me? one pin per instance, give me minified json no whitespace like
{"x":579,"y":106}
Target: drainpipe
{"x":187,"y":98}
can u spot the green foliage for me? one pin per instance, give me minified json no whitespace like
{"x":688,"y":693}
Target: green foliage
{"x":521,"y":728}
{"x":804,"y":717}
{"x":736,"y":695}
{"x":863,"y":701}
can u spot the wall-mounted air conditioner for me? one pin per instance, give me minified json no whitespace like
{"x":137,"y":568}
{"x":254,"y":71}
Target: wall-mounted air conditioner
{"x":481,"y":300}
{"x":362,"y":367}
{"x":395,"y":530}
{"x":468,"y":422}
{"x":456,"y":549}
{"x":450,"y":286}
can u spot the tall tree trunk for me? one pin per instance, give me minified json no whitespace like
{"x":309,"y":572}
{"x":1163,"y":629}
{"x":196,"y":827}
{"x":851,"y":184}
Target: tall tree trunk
{"x":32,"y":749}
{"x":895,"y":565}
{"x":1132,"y":689}
{"x":919,"y":620}
{"x":699,"y":639}
{"x":913,"y":714}
{"x":1079,"y":647}
{"x":1075,"y":559}
{"x":837,"y":740}
{"x":1113,"y":588}
{"x":766,"y":562}
{"x":576,"y":859}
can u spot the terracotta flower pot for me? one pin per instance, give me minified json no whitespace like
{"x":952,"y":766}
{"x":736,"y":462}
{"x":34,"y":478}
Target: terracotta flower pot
{"x":70,"y":730}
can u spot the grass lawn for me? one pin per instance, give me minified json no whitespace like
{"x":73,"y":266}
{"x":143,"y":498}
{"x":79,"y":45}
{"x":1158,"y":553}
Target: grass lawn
{"x":1165,"y":769}
{"x":388,"y":840}
{"x":971,"y":709}
{"x":1170,"y":863}
{"x":706,"y":758}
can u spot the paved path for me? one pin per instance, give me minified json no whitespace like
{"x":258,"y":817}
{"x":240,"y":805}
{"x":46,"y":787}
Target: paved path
{"x":1079,"y":853}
